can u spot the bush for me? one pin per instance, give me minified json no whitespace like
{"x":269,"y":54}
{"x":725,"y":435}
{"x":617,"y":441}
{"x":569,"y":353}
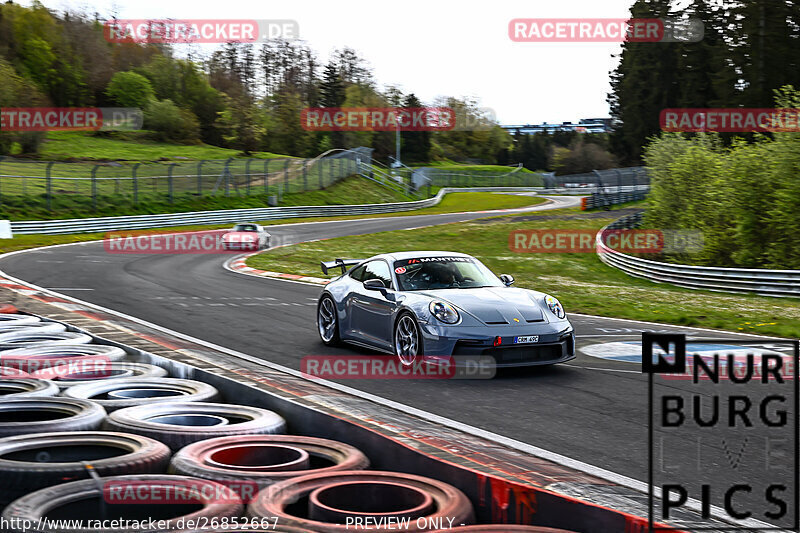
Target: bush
{"x":129,"y":89}
{"x":171,"y":123}
{"x":580,"y":158}
{"x":744,"y":198}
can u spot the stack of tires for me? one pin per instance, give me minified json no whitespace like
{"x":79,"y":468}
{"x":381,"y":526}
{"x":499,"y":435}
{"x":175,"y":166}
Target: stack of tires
{"x":88,"y":435}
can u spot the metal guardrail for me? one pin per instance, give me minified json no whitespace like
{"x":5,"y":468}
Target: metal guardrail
{"x":608,"y":196}
{"x":97,"y":225}
{"x":783,"y":283}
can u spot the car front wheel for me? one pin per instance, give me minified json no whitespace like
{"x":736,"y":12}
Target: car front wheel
{"x":407,"y":339}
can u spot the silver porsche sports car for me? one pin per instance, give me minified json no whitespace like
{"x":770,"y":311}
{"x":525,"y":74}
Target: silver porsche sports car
{"x":438,"y":305}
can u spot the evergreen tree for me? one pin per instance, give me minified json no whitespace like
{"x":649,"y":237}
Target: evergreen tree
{"x":416,"y":145}
{"x":644,"y":83}
{"x":332,"y":94}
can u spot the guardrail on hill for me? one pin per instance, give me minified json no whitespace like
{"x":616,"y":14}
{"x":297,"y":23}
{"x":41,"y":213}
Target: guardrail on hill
{"x":784,"y":283}
{"x":97,"y":225}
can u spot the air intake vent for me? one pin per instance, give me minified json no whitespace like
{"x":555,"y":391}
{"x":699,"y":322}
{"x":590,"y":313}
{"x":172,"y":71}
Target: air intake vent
{"x":496,"y":323}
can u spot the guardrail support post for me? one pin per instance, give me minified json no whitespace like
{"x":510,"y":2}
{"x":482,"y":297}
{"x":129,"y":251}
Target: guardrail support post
{"x":1,"y":196}
{"x":286,"y":175}
{"x":247,"y":174}
{"x":305,"y":175}
{"x":135,"y":184}
{"x":321,"y":180}
{"x":49,"y":184}
{"x":94,"y":186}
{"x":200,"y":177}
{"x":170,"y":184}
{"x":266,"y":177}
{"x":228,"y":176}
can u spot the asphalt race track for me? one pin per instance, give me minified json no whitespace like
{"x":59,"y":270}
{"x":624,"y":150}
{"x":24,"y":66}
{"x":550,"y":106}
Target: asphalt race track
{"x":593,"y":409}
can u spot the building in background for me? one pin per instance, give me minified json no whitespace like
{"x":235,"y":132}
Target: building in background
{"x":584,"y":125}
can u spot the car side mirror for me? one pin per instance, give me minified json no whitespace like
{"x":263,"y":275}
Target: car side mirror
{"x":374,"y":285}
{"x":507,"y":279}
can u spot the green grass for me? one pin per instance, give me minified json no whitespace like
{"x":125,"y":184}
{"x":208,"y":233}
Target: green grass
{"x":454,"y":203}
{"x":353,"y":190}
{"x":579,"y":280}
{"x":128,"y":146}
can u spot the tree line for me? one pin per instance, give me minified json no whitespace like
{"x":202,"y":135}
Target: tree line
{"x":243,"y":96}
{"x":743,"y":196}
{"x":749,"y":49}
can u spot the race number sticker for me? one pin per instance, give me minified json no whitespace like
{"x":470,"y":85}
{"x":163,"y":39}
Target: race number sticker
{"x":400,"y":270}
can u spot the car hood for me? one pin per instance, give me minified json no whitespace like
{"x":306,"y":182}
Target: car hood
{"x":494,"y":305}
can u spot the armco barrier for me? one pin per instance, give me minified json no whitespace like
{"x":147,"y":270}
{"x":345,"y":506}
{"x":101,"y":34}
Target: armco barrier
{"x":784,"y":283}
{"x":96,"y":225}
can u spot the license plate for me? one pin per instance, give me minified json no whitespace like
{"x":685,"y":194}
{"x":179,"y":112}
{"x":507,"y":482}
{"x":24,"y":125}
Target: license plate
{"x":526,"y":340}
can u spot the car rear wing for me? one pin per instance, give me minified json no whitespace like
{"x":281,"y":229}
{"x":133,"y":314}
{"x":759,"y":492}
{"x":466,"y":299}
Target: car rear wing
{"x":340,"y":263}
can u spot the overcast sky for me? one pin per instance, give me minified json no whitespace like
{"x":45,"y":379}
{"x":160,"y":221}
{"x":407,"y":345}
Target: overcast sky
{"x":434,"y":47}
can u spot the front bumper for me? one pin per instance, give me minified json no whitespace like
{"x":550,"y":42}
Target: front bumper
{"x":556,"y":344}
{"x":240,"y":245}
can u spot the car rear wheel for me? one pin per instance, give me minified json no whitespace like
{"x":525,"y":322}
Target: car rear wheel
{"x":327,"y":323}
{"x":407,"y":339}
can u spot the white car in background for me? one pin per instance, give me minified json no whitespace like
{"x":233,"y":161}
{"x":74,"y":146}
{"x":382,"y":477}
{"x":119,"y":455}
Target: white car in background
{"x":246,"y":236}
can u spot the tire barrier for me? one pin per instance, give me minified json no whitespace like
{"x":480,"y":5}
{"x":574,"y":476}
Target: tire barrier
{"x":39,"y":415}
{"x":61,"y":359}
{"x":60,"y":351}
{"x":32,"y":462}
{"x":35,"y":327}
{"x":280,"y":528}
{"x":14,"y":318}
{"x":86,"y":499}
{"x":265,"y":459}
{"x":55,"y":462}
{"x":178,"y":424}
{"x":114,"y":370}
{"x":11,"y":372}
{"x":325,"y":502}
{"x":502,"y":528}
{"x":18,"y":387}
{"x":120,"y":393}
{"x":21,"y":339}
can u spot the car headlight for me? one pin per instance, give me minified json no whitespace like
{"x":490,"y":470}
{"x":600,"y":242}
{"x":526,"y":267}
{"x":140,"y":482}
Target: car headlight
{"x":555,"y":307}
{"x":444,"y":312}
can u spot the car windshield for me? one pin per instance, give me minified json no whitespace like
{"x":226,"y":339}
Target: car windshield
{"x":427,"y":273}
{"x":244,"y":227}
